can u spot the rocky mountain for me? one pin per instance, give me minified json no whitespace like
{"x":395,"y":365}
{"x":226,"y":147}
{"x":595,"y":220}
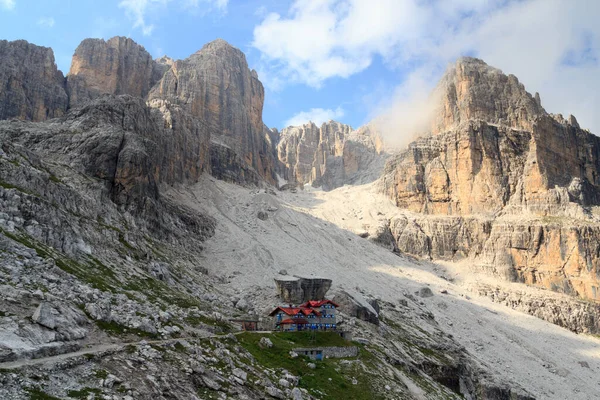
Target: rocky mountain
{"x":117,"y":66}
{"x":216,"y":86}
{"x":32,"y":86}
{"x":139,"y":223}
{"x":472,"y":90}
{"x":501,"y":182}
{"x":329,"y":156}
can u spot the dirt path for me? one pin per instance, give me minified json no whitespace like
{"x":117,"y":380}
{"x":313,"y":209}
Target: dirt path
{"x":100,"y":348}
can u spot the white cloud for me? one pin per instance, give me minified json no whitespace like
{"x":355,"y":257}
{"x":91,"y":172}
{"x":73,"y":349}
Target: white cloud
{"x":46,"y":22}
{"x":138,"y":10}
{"x":316,"y":115}
{"x":552,"y":46}
{"x":7,"y":4}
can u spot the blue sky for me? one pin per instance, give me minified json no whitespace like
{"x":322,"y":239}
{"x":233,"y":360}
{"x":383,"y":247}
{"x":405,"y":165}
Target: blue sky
{"x":350,"y":60}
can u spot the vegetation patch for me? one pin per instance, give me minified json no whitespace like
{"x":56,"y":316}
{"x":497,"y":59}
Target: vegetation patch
{"x":101,"y":373}
{"x":83,"y":393}
{"x":7,"y":185}
{"x":329,"y":380}
{"x":116,"y":329}
{"x":55,"y":179}
{"x":90,"y":271}
{"x":38,"y":394}
{"x":199,"y":320}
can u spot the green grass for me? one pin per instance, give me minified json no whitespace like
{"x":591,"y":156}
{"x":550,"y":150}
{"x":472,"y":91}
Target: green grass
{"x":90,"y":271}
{"x":55,"y":179}
{"x":101,"y":373}
{"x":124,"y":242}
{"x":116,"y":329}
{"x":7,"y":185}
{"x":38,"y":394}
{"x":198,"y":320}
{"x":83,"y":393}
{"x":329,"y":380}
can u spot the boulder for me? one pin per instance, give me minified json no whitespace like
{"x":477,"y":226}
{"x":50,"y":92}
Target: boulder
{"x":275,"y":392}
{"x":265,"y":343}
{"x":296,"y":289}
{"x":243,"y":375}
{"x":297,"y":394}
{"x":424,"y":292}
{"x":355,"y":305}
{"x":67,"y":321}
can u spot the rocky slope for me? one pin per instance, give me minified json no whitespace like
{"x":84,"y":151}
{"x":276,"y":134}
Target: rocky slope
{"x":501,"y":182}
{"x":99,"y":252}
{"x":329,"y":156}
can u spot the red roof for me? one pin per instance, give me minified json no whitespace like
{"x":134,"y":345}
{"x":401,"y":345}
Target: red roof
{"x":318,"y":303}
{"x":296,"y":321}
{"x":295,"y":310}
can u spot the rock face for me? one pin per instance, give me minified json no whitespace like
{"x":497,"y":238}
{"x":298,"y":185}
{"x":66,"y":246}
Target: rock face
{"x":502,"y":182}
{"x":328,"y":156}
{"x":213,"y":90}
{"x":129,"y":146}
{"x":295,"y":289}
{"x":575,"y":315}
{"x":226,"y":165}
{"x":472,"y":90}
{"x":134,"y":147}
{"x":117,"y":66}
{"x":32,"y":86}
{"x":216,"y":86}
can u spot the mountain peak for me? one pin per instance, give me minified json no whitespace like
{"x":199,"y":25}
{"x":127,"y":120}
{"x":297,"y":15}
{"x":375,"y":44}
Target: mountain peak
{"x":471,"y":89}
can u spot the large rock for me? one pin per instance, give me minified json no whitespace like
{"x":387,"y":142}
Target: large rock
{"x":216,"y":86}
{"x":295,"y":289}
{"x":326,"y":157}
{"x":355,"y":305}
{"x":67,"y":321}
{"x":117,"y":66}
{"x":32,"y":86}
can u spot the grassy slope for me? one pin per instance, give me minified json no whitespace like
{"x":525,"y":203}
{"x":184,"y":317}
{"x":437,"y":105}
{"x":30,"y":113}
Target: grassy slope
{"x":331,"y":379}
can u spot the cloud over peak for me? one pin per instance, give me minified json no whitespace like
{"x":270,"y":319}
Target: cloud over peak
{"x":552,"y":46}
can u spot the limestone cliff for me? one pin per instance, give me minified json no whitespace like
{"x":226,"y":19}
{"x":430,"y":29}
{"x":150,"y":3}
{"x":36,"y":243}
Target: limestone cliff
{"x":216,"y":86}
{"x":471,"y":89}
{"x":500,"y":182}
{"x":328,"y":156}
{"x":122,"y":142}
{"x":117,"y":66}
{"x":32,"y":86}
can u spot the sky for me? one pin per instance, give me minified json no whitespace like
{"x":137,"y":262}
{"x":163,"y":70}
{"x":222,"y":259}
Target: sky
{"x":348,"y":60}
